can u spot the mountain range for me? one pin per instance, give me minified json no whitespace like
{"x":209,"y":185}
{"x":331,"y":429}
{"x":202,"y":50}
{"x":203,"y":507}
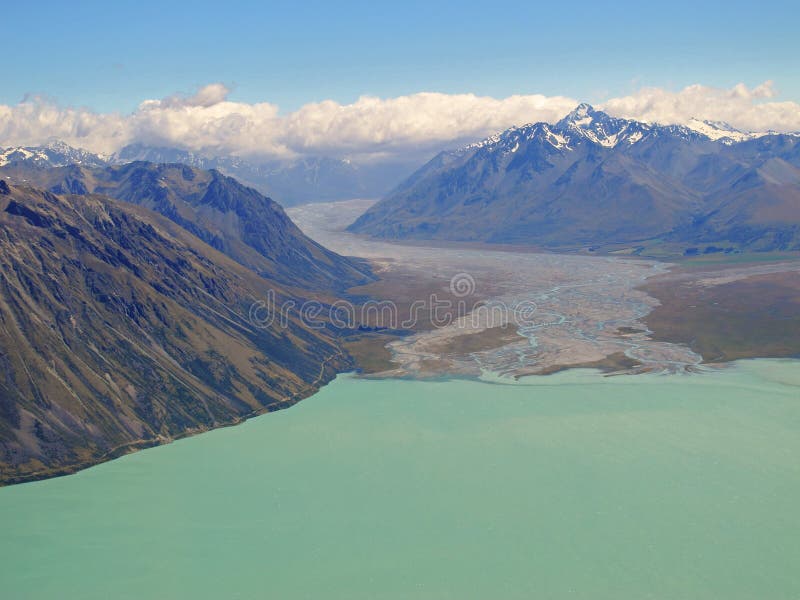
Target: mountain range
{"x":53,"y":154}
{"x":290,"y":181}
{"x":592,"y":181}
{"x":229,"y":216}
{"x":126,"y":285}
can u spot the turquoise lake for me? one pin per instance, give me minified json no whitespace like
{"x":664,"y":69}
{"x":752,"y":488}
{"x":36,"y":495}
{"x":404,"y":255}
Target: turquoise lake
{"x":568,"y":486}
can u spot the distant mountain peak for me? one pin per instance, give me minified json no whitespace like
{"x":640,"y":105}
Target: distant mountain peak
{"x":722,"y":125}
{"x":61,"y":146}
{"x":581,"y":113}
{"x":721,"y":131}
{"x":55,"y":153}
{"x":600,"y":128}
{"x":585,"y":123}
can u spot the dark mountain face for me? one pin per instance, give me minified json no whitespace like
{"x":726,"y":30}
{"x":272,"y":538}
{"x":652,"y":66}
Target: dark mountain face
{"x":234,"y":219}
{"x":119,"y":329}
{"x":594,"y":180}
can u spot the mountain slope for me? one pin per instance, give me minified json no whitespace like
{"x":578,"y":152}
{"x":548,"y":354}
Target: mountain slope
{"x":119,"y":329}
{"x":235,"y":219}
{"x":592,"y":180}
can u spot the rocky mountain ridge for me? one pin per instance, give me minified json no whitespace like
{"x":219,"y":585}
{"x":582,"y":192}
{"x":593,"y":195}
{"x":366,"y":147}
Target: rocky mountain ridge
{"x":233,"y":218}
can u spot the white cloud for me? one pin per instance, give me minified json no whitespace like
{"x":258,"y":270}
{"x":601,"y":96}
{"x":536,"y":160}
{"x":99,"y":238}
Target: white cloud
{"x":208,"y":95}
{"x":369,"y":127}
{"x":742,"y":107}
{"x":36,"y":120}
{"x":391,"y":125}
{"x":208,"y":121}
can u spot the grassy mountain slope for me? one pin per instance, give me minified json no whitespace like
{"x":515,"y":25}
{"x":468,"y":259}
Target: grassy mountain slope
{"x":119,"y":329}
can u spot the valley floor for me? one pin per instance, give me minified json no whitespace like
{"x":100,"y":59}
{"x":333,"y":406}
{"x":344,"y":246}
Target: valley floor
{"x":727,"y":312}
{"x":617,"y":314}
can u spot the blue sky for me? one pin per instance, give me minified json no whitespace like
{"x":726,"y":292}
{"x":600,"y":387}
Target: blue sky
{"x":111,"y":55}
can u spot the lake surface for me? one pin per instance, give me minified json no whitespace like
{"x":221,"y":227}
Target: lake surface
{"x":568,"y":486}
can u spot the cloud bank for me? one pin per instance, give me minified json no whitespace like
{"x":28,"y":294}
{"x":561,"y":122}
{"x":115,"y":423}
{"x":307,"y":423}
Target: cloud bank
{"x":748,"y":109}
{"x":369,"y":128}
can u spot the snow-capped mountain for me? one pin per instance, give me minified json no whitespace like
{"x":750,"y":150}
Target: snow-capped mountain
{"x":585,"y":123}
{"x":722,"y":131}
{"x":53,"y":154}
{"x":592,"y":179}
{"x":600,"y":128}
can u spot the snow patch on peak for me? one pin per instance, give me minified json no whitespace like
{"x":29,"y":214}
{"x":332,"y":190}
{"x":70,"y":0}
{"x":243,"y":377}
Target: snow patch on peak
{"x":635,"y":137}
{"x":557,"y":140}
{"x":596,"y":126}
{"x":581,"y":111}
{"x":489,"y":141}
{"x":581,"y":116}
{"x":719,"y":130}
